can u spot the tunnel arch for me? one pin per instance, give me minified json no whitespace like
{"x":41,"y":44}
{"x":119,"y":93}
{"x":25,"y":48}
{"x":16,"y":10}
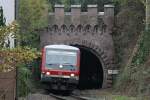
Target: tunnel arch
{"x":91,"y":71}
{"x":97,"y":52}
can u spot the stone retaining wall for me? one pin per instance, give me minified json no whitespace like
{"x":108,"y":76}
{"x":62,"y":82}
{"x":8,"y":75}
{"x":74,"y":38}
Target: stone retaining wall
{"x":8,"y":85}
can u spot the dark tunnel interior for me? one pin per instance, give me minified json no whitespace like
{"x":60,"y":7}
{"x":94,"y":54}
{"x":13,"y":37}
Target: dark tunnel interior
{"x":91,"y":72}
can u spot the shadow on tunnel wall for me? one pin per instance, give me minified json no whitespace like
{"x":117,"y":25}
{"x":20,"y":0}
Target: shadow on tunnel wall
{"x":91,"y":71}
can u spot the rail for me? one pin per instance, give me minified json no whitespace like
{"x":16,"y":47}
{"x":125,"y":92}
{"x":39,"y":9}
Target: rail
{"x":57,"y":97}
{"x":81,"y":97}
{"x":71,"y":97}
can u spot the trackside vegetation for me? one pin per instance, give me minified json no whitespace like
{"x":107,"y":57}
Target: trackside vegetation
{"x":131,"y":40}
{"x":16,"y":58}
{"x":134,"y":75}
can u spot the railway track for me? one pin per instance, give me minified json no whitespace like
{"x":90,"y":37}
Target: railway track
{"x":71,"y":97}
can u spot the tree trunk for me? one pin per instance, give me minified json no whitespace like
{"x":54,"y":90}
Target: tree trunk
{"x":147,"y":14}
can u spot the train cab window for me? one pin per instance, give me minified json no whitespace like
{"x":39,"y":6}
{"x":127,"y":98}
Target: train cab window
{"x":60,"y":59}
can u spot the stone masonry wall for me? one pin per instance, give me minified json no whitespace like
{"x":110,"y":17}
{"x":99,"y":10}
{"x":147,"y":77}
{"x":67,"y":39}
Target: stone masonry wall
{"x":91,"y":29}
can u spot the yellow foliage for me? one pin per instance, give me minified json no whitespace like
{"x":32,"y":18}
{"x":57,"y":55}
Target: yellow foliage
{"x":10,"y":58}
{"x":6,"y":30}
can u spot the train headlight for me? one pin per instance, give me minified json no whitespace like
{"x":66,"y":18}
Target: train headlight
{"x":72,"y":75}
{"x":47,"y":73}
{"x":60,"y":66}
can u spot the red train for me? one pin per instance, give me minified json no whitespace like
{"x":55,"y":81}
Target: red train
{"x":60,"y":66}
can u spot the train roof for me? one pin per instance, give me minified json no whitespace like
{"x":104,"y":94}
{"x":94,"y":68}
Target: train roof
{"x":66,"y":47}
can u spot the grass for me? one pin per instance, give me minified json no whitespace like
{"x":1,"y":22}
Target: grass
{"x":123,"y":98}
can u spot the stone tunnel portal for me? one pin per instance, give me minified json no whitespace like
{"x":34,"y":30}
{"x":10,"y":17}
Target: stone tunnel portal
{"x":91,"y":71}
{"x":91,"y":32}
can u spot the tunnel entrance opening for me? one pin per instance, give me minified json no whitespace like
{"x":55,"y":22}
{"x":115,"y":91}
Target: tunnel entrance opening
{"x":91,"y":71}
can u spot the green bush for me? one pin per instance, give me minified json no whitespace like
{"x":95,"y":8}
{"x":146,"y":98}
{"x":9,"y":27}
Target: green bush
{"x":24,"y":84}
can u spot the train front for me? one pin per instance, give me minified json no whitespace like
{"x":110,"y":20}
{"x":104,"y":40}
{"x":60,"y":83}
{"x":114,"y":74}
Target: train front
{"x":60,"y":66}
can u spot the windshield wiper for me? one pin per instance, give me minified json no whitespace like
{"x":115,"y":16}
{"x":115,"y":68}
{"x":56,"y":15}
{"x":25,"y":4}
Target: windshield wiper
{"x":69,"y":64}
{"x":53,"y":64}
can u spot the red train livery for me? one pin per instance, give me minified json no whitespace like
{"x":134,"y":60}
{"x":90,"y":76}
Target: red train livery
{"x":60,"y":66}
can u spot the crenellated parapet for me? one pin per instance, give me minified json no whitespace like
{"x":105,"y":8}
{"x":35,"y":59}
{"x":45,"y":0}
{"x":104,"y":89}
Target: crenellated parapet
{"x":76,"y":20}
